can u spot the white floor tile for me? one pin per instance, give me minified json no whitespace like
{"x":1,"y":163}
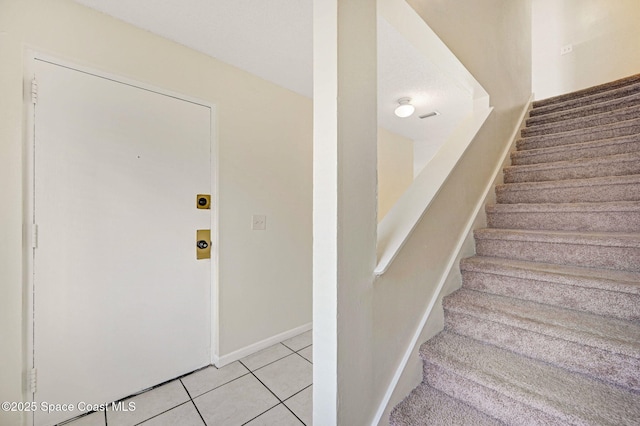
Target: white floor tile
{"x":211,"y":377}
{"x":149,"y":404}
{"x":266,"y":356}
{"x":307,"y":353}
{"x":277,"y":416}
{"x":302,"y":405}
{"x":286,"y":376}
{"x":93,"y":419}
{"x":298,"y":342}
{"x":183,"y":415}
{"x":236,"y":402}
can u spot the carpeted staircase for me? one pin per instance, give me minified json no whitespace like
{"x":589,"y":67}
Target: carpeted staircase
{"x":546,"y":327}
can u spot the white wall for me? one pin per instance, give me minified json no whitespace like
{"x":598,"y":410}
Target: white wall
{"x":423,"y":152}
{"x":265,"y":142}
{"x":395,"y":169}
{"x":605,"y":35}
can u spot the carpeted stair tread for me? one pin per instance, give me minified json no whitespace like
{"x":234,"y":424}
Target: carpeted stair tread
{"x":626,"y":81}
{"x":532,"y":392}
{"x":611,"y":334}
{"x":604,"y":239}
{"x":426,"y":406}
{"x":587,"y":110}
{"x":581,"y":168}
{"x":578,"y":102}
{"x":613,"y":216}
{"x":610,"y":206}
{"x":609,"y":293}
{"x":585,"y":343}
{"x":606,"y":250}
{"x":615,"y":130}
{"x":620,"y":145}
{"x":581,"y":123}
{"x":604,"y":188}
{"x":498,"y":404}
{"x":603,"y":279}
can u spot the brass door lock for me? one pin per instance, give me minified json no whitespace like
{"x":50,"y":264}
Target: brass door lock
{"x":203,"y":244}
{"x":203,"y":201}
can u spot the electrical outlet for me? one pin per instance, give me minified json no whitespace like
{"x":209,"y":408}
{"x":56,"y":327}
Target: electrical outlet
{"x":566,"y":49}
{"x":259,"y":222}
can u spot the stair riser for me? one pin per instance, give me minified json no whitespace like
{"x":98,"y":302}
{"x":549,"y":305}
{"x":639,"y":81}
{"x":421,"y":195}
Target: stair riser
{"x":581,"y":94}
{"x":584,"y":194}
{"x":519,"y":158}
{"x":586,"y":111}
{"x":546,"y":141}
{"x":596,"y":301}
{"x":573,"y":171}
{"x":489,"y":401}
{"x":581,"y":123}
{"x":610,"y":367}
{"x":590,"y":256}
{"x":588,"y":100}
{"x":567,"y":221}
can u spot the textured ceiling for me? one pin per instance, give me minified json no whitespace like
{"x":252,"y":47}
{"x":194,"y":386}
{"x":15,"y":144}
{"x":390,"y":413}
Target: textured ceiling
{"x":273,"y":39}
{"x":404,"y":72}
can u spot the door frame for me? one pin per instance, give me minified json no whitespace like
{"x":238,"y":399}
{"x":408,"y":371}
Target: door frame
{"x":28,"y":179}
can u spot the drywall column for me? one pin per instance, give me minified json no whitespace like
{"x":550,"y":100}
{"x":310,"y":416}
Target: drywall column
{"x":344,"y":209}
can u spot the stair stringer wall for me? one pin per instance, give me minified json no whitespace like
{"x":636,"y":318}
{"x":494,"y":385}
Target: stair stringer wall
{"x":409,"y":371}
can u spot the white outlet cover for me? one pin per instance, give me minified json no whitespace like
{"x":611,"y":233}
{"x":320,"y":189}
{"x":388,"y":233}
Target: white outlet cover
{"x":566,"y":49}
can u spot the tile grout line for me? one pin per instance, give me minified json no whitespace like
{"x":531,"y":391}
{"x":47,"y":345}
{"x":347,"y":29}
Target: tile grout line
{"x":277,"y":397}
{"x":225,"y":383}
{"x":149,"y":389}
{"x":287,"y":407}
{"x":270,"y":408}
{"x":303,"y":357}
{"x":304,"y":388}
{"x":193,"y":402}
{"x":291,"y":349}
{"x":271,"y":362}
{"x":72,"y":420}
{"x":159,"y":414}
{"x":300,"y":391}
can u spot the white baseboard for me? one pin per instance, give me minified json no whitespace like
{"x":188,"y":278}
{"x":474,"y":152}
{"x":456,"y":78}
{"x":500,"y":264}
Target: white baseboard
{"x":412,"y":349}
{"x":221,"y":361}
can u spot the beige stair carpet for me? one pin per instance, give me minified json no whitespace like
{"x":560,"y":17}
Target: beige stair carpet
{"x":546,"y":327}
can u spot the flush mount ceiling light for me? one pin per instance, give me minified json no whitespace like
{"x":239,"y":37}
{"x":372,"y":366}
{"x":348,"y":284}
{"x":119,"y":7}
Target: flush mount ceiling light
{"x":404,"y":109}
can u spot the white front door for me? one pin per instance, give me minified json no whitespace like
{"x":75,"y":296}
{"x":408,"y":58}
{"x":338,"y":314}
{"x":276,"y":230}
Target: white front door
{"x":120,"y":301}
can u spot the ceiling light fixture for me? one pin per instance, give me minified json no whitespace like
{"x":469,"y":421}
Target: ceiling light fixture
{"x":405,"y":109}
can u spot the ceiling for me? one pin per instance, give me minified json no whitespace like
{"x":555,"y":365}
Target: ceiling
{"x":274,"y":40}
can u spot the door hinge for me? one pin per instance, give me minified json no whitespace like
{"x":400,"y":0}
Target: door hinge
{"x":33,"y":380}
{"x":34,"y":91}
{"x":34,"y":236}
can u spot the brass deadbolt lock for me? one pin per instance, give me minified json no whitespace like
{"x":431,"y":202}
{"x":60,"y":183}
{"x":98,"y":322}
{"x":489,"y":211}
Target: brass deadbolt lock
{"x":203,"y":244}
{"x":203,"y":201}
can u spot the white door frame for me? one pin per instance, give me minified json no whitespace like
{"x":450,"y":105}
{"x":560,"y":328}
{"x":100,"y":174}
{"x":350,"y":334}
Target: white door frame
{"x":31,"y":56}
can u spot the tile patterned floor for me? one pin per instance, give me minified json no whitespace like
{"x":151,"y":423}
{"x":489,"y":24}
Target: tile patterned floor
{"x":271,"y":387}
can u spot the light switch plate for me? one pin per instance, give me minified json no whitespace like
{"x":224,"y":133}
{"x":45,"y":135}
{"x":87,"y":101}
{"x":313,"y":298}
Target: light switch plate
{"x":259,"y":222}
